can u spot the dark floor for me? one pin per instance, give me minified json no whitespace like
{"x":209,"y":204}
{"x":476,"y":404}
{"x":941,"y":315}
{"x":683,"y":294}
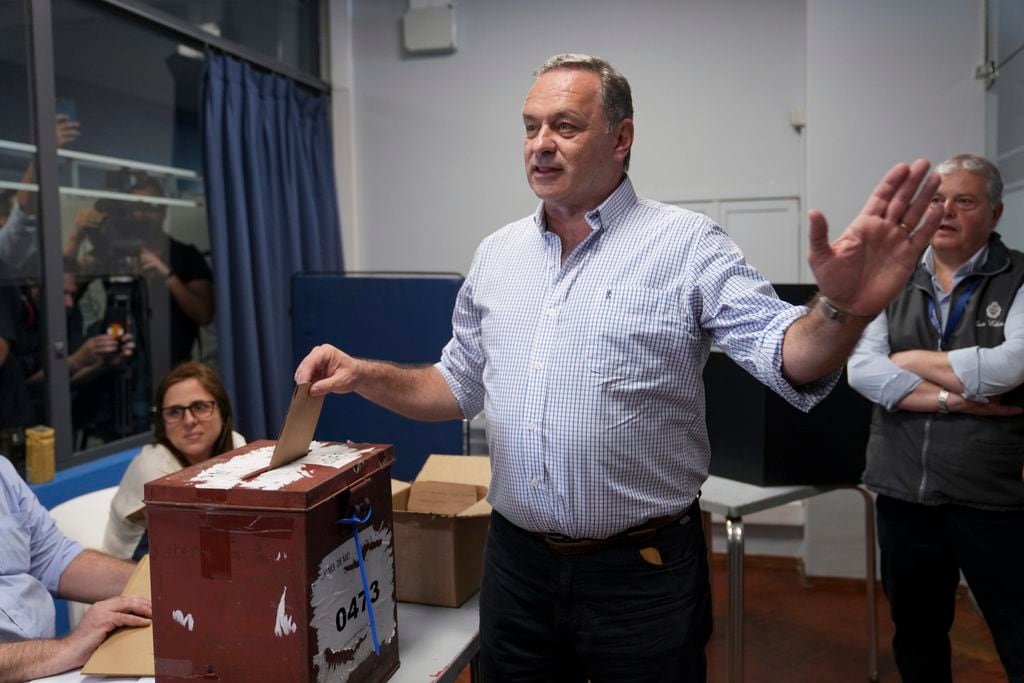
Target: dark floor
{"x":815,"y":630}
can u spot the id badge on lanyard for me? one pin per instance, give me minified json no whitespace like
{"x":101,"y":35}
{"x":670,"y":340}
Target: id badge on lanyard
{"x":955,"y":313}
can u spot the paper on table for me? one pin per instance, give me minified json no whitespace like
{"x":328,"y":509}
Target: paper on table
{"x":127,"y":651}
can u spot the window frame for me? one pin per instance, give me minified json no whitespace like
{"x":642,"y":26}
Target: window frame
{"x":42,"y":84}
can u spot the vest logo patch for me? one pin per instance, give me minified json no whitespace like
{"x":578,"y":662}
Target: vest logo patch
{"x":993,"y":310}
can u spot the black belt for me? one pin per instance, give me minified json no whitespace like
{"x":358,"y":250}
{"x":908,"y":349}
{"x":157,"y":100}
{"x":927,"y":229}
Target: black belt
{"x":584,"y":546}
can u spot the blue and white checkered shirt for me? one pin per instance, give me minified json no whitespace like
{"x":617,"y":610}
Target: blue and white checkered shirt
{"x":590,"y":371}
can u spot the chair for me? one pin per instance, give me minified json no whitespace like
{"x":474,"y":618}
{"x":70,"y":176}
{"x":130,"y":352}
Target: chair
{"x":84,"y":519}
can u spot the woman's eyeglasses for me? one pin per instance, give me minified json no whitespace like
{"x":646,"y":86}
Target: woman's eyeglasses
{"x":200,"y":410}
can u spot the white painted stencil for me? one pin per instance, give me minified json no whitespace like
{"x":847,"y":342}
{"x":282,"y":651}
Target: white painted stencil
{"x":227,"y":475}
{"x":340,"y":618}
{"x":285,"y":625}
{"x":185,"y":620}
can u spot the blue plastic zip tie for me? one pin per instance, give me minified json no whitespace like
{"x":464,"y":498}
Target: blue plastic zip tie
{"x":354,"y":522}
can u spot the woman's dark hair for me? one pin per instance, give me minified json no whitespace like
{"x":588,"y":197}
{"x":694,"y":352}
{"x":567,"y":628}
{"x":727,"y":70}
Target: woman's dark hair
{"x":208,"y":379}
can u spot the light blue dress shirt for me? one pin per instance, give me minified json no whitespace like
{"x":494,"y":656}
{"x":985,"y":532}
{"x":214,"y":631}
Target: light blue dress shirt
{"x":984,"y":372}
{"x":590,"y":371}
{"x":33,"y":555}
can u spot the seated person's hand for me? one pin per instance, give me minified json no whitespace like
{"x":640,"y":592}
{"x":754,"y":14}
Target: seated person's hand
{"x":101,"y":619}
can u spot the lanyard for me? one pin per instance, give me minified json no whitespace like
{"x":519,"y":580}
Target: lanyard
{"x":955,"y":313}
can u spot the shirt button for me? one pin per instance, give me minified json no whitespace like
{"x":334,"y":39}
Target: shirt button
{"x":531,"y":425}
{"x":535,"y":482}
{"x":553,"y":311}
{"x":536,"y":366}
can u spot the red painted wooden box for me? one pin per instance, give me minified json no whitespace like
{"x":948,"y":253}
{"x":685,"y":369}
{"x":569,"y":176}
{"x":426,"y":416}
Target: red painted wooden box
{"x":256,"y":580}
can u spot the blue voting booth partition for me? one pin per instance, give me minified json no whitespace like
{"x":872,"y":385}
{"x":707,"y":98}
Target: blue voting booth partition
{"x":399,"y":318}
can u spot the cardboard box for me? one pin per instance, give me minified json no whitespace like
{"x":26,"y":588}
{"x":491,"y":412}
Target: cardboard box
{"x":254,"y":579}
{"x":439,"y":543}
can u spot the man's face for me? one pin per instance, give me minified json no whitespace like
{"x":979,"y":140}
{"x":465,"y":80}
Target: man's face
{"x":968,"y":215}
{"x":572,"y":161}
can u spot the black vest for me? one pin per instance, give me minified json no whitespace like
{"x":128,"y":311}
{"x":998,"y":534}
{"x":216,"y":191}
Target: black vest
{"x":933,"y":458}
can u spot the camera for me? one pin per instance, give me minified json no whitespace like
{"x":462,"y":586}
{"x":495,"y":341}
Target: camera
{"x":125,"y":230}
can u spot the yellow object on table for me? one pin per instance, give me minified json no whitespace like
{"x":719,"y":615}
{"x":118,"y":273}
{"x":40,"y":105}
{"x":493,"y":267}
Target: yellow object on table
{"x":40,"y":461}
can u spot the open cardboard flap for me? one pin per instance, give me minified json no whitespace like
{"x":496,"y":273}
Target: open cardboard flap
{"x":447,"y":485}
{"x":442,"y":497}
{"x":127,"y":651}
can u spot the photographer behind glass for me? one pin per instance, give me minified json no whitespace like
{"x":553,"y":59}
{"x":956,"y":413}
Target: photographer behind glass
{"x":127,"y":239}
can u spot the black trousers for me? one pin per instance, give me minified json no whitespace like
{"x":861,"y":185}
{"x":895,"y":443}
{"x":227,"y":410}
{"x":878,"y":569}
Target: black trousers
{"x":924,"y":549}
{"x":607,"y":616}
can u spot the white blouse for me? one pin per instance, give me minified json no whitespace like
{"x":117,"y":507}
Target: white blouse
{"x":122,"y":536}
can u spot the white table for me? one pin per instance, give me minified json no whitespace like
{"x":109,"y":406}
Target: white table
{"x":434,"y":644}
{"x":733,"y":500}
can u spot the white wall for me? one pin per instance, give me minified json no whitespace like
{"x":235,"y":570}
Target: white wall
{"x":433,"y":143}
{"x":886,"y":81}
{"x":438,"y":139}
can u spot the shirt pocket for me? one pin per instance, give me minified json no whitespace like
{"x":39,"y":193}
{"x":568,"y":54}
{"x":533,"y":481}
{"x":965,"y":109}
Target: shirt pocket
{"x":633,"y":332}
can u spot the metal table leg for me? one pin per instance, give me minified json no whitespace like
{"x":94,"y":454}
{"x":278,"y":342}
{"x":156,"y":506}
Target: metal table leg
{"x":869,"y":577}
{"x":734,"y":542}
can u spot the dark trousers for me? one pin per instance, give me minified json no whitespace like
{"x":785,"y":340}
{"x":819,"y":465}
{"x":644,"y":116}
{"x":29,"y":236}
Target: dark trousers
{"x":924,"y":548}
{"x":605,"y":616}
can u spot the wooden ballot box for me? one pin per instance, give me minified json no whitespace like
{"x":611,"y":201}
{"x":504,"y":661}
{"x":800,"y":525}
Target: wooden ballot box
{"x":255,"y":579}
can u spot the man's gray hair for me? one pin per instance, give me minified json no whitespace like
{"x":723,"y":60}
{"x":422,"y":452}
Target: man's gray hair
{"x":615,"y":93}
{"x":979,"y":165}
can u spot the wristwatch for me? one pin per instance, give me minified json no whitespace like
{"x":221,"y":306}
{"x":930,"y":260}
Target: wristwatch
{"x":944,"y":401}
{"x":837,"y":314}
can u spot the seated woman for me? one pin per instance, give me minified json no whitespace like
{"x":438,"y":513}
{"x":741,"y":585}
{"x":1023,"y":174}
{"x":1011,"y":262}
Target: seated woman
{"x":192,"y":423}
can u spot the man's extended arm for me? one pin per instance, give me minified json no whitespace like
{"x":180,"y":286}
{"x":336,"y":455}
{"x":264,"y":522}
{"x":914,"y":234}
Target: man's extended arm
{"x":194,"y":297}
{"x":863,"y":270}
{"x":420,"y":393}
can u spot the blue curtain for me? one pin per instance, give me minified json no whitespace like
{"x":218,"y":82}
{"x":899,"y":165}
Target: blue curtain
{"x":272,"y":211}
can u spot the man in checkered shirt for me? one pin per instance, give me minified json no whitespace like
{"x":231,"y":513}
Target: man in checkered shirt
{"x":582,"y":330}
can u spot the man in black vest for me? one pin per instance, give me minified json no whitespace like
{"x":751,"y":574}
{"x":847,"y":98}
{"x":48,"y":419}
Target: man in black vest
{"x":945,"y":364}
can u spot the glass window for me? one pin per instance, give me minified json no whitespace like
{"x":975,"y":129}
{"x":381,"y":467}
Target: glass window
{"x":139,"y":288}
{"x":284,"y":30}
{"x":22,"y":394}
{"x":1008,"y":31}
